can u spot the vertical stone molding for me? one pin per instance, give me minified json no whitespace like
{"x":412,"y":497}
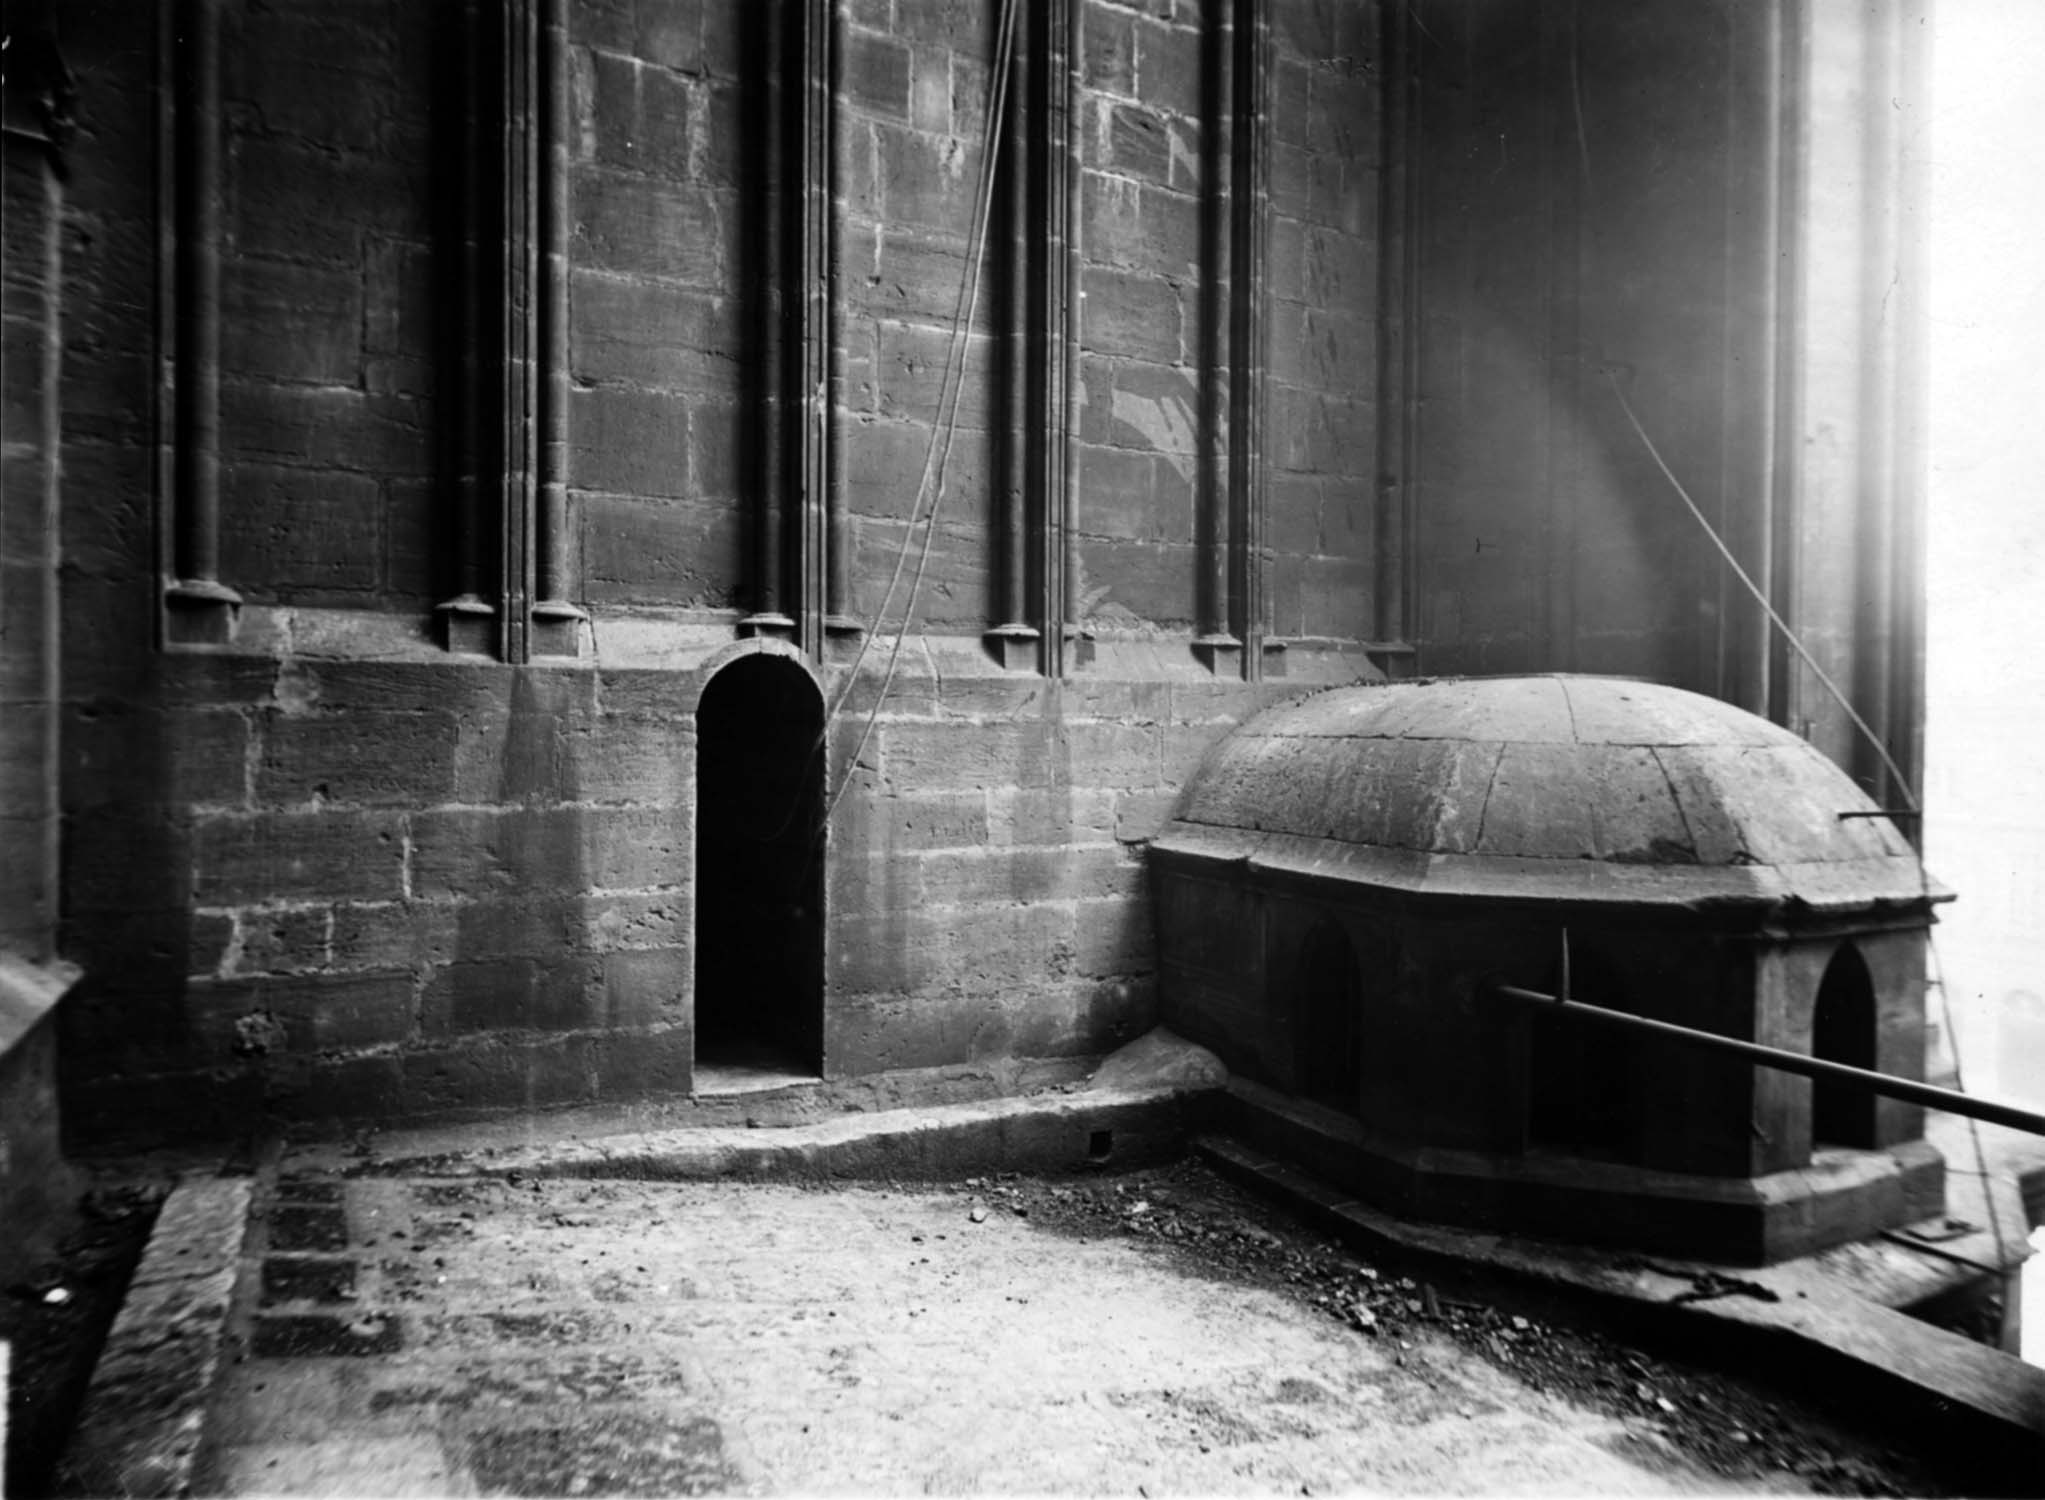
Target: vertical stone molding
{"x":467,"y":620}
{"x":766,"y":280}
{"x":516,"y":59}
{"x":1217,"y":643}
{"x":1249,"y":194}
{"x":1013,"y":641}
{"x":1075,"y":643}
{"x":515,"y":398}
{"x":556,"y":619}
{"x":199,"y":607}
{"x":801,"y":572}
{"x":1399,"y":331}
{"x":827,"y":577}
{"x":1047,"y":408}
{"x":1035,"y":231}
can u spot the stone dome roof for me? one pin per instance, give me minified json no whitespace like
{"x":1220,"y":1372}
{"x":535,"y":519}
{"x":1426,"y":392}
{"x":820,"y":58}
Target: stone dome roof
{"x":1545,"y":788}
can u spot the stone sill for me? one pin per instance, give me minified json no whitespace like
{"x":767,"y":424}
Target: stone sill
{"x":682,"y":640}
{"x":28,"y":992}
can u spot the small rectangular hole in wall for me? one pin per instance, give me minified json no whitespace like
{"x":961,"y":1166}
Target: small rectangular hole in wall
{"x":1100,"y":1145}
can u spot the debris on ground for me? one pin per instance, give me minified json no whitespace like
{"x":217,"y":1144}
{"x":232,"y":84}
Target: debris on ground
{"x":1737,"y":1429}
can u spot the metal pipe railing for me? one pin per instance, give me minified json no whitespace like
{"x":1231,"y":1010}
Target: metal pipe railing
{"x":1929,"y":1095}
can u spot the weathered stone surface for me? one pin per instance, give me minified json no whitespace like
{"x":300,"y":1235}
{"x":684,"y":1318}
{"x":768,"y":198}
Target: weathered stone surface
{"x":1507,"y":775}
{"x":1160,"y":1058}
{"x":144,"y":1414}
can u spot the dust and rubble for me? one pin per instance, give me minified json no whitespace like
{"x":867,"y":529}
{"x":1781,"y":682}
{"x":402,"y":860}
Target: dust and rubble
{"x":1157,"y":1329}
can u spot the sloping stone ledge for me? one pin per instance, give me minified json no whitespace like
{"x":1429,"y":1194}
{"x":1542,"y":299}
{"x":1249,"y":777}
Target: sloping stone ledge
{"x":143,"y":1422}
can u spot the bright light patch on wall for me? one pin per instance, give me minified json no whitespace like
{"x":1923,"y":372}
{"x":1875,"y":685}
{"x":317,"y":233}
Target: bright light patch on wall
{"x":1985,"y":670}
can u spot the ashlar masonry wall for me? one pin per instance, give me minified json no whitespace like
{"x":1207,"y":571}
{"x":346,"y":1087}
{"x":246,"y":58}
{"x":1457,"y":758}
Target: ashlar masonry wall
{"x":334,"y":859}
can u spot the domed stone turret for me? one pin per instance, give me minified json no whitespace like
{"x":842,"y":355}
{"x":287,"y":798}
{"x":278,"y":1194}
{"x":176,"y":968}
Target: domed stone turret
{"x":1346,"y":873}
{"x":1554,"y":788}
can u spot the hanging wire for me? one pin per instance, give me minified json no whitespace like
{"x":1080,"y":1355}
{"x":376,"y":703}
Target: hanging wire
{"x":1936,"y":976}
{"x":936,"y":457}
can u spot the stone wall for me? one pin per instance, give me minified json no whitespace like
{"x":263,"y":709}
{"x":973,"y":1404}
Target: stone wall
{"x":324,"y":869}
{"x":331,"y":857}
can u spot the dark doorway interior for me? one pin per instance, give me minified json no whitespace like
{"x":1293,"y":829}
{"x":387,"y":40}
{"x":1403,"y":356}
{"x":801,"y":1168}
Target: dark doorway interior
{"x":1843,"y":1031}
{"x":1330,"y":1034}
{"x":1584,"y":1080}
{"x":760,"y":869}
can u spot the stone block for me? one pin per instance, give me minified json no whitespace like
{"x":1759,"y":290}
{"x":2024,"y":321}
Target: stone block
{"x":326,"y":1335}
{"x":917,"y":276}
{"x":967,"y":30}
{"x":1140,"y":225}
{"x":357,"y":759}
{"x":178,"y":758}
{"x":1134,"y":315}
{"x":1114,"y":936}
{"x":662,"y":552}
{"x":1141,"y":815}
{"x":1109,"y":754}
{"x":503,"y":994}
{"x":983,"y":877}
{"x":655,"y":335}
{"x":1152,"y":582}
{"x":640,"y":117}
{"x":209,"y":938}
{"x":647,"y":1064}
{"x":876,"y":72}
{"x":910,"y":375}
{"x":613,"y":922}
{"x":927,"y":181}
{"x":1168,"y":66}
{"x":288,"y":856}
{"x":884,"y":463}
{"x":123,"y":867}
{"x":1146,"y":406}
{"x":718,"y":432}
{"x":1050,"y":816}
{"x":630,"y":442}
{"x":1138,"y":144}
{"x":1108,"y":50}
{"x":646,"y":986}
{"x":620,"y":759}
{"x":290,"y":941}
{"x":301,"y":530}
{"x":481,"y":852}
{"x":930,"y":91}
{"x":347,"y":1088}
{"x":501,"y":1072}
{"x":941,"y":820}
{"x":943,"y":757}
{"x":285,"y":321}
{"x":639,"y":227}
{"x":299,"y":1014}
{"x":672,"y":36}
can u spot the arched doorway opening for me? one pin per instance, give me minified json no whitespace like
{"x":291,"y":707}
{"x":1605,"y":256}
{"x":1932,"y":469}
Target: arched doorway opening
{"x":1843,"y":1027}
{"x":1330,"y":1034}
{"x":1583,"y":1079}
{"x":760,"y":869}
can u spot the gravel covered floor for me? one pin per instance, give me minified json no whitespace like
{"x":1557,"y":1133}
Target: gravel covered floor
{"x":1155,"y":1332}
